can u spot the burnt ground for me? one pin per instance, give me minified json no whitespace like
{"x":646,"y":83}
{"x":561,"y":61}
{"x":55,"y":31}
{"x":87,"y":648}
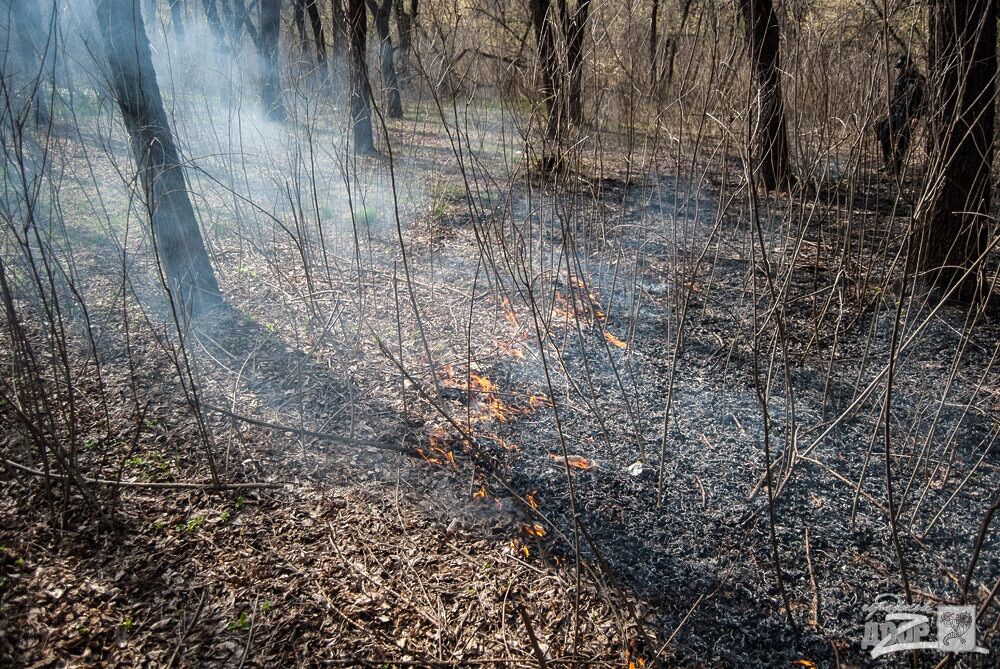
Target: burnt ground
{"x":543,"y":323}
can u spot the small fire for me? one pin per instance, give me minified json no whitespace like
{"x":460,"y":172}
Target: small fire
{"x":574,"y":461}
{"x":481,"y":383}
{"x":480,"y":493}
{"x":808,"y":664}
{"x":530,"y":499}
{"x":614,"y":341}
{"x":533,"y":530}
{"x":518,"y":549}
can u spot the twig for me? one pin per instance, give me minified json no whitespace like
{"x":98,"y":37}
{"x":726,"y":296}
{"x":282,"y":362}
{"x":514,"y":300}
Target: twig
{"x":812,"y":582}
{"x":147,"y":484}
{"x":322,"y":436}
{"x":535,"y":647}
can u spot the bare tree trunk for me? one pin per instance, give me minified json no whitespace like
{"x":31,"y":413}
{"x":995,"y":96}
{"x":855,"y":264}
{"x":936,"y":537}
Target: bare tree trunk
{"x":405,"y":22}
{"x":952,"y":231}
{"x":270,"y":75}
{"x":574,"y":53}
{"x":672,"y":42}
{"x":176,"y":235}
{"x":299,"y":20}
{"x":769,"y":148}
{"x":361,"y":112}
{"x":318,"y":35}
{"x":341,"y":39}
{"x":550,"y":71}
{"x":383,"y":13}
{"x":654,"y":38}
{"x":177,"y":18}
{"x":31,"y":45}
{"x":214,"y":23}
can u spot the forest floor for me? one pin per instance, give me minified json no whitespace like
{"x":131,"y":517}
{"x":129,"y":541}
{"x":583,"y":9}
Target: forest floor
{"x":522,"y":325}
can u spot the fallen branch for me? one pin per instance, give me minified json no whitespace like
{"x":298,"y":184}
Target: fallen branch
{"x":322,"y":436}
{"x":145,"y":484}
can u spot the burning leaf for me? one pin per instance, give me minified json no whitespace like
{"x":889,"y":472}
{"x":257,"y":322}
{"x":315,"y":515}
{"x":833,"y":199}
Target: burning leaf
{"x":614,"y":341}
{"x":533,"y":530}
{"x":575,"y":461}
{"x":517,"y":548}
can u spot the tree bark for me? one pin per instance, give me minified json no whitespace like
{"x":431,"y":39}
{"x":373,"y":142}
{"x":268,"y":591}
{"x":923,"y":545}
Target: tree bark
{"x":299,"y":21}
{"x":382,"y":12}
{"x":176,"y":235}
{"x":361,"y":113}
{"x":769,"y":143}
{"x":341,"y":38}
{"x":574,"y":55}
{"x":952,"y":227}
{"x":270,"y":75}
{"x":550,"y":71}
{"x":654,"y":38}
{"x":318,"y":35}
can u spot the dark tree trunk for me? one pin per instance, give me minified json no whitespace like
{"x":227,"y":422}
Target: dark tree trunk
{"x":382,"y":11}
{"x":299,"y":19}
{"x":242,"y":15}
{"x":177,"y":18}
{"x":550,"y":71}
{"x":953,"y":231}
{"x":769,"y":150}
{"x":654,"y":38}
{"x":361,"y":112}
{"x":176,"y":235}
{"x":270,"y":74}
{"x":672,"y":43}
{"x":574,"y":56}
{"x":405,"y":23}
{"x":318,"y":36}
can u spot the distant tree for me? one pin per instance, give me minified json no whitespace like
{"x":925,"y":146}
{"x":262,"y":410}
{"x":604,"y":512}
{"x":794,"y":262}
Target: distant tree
{"x":270,"y":74}
{"x":22,"y":26}
{"x":303,"y":8}
{"x":361,"y":112}
{"x":406,"y":22}
{"x":953,"y":226}
{"x":341,"y":38}
{"x":769,"y":150}
{"x":177,"y":18}
{"x":382,"y":12}
{"x":176,"y":235}
{"x":299,"y":21}
{"x":214,"y":22}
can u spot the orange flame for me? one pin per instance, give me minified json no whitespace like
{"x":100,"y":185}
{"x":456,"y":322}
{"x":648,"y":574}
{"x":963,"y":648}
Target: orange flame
{"x":533,"y":530}
{"x":574,"y":461}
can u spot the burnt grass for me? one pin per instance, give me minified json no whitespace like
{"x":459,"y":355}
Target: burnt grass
{"x":700,"y":558}
{"x":366,"y":555}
